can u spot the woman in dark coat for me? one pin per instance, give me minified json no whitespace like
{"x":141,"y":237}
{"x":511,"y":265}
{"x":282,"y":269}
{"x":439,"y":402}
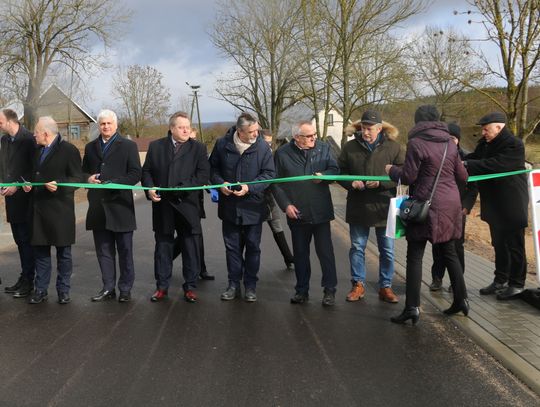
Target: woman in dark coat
{"x":425,"y":149}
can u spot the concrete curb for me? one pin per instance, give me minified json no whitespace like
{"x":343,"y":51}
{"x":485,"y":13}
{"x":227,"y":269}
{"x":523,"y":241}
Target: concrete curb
{"x":523,"y":370}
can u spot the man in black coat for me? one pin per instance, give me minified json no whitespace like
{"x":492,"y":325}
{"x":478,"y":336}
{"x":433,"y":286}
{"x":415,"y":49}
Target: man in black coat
{"x":309,"y":209}
{"x":111,"y":213}
{"x":16,"y":153}
{"x":242,"y":156}
{"x":503,"y":202}
{"x":53,"y":208}
{"x":176,"y":161}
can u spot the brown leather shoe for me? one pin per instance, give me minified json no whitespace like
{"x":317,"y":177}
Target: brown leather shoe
{"x":357,"y":292}
{"x":386,"y":294}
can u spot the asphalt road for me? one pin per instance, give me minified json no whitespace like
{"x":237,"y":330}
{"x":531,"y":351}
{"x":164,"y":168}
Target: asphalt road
{"x":269,"y":353}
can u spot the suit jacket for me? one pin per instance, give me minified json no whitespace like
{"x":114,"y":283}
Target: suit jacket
{"x":162,"y":168}
{"x":53,"y":213}
{"x":16,"y":162}
{"x":112,"y":209}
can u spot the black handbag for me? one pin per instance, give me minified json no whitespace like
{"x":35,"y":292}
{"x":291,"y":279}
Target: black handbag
{"x":415,"y":210}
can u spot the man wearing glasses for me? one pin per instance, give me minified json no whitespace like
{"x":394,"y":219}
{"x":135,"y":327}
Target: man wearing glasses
{"x":309,"y":208}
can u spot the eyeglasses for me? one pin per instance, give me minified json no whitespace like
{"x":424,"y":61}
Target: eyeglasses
{"x":308,"y":135}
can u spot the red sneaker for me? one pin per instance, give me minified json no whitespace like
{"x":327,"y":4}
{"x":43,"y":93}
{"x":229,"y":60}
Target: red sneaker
{"x":159,"y":295}
{"x":190,"y":296}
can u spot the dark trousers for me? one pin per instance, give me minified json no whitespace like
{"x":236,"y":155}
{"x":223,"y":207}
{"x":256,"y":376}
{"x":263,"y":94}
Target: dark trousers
{"x":178,"y":249}
{"x":301,"y":241}
{"x":107,"y":243}
{"x":21,"y":235}
{"x":164,"y":254}
{"x":44,"y":267}
{"x":438,"y":267}
{"x":510,"y":260}
{"x":243,"y":253}
{"x":415,"y":254}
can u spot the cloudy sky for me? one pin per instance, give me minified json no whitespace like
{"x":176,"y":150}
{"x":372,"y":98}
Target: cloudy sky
{"x":172,"y":36}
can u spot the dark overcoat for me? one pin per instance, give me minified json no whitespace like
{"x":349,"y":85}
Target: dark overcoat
{"x":112,"y":209}
{"x":313,"y":200}
{"x":162,"y":168}
{"x":423,"y":158}
{"x":503,"y":201}
{"x":369,"y":207}
{"x":53,"y":213}
{"x":16,"y":162}
{"x":228,"y":165}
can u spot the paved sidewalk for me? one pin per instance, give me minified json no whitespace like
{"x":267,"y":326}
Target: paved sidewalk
{"x":510,"y":331}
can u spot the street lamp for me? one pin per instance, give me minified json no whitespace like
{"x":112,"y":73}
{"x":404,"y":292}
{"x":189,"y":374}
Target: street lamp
{"x":195,"y":103}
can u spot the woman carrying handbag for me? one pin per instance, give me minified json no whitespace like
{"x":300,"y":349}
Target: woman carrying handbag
{"x":433,"y":170}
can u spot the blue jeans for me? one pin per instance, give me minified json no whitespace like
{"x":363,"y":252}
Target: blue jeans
{"x":44,"y":268}
{"x":359,"y":237}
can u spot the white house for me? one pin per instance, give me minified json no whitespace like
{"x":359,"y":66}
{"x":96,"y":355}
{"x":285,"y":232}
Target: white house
{"x":301,"y":111}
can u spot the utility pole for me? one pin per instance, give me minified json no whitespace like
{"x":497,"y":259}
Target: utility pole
{"x":195,"y":104}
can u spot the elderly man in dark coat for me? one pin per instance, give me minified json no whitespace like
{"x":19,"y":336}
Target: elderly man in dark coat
{"x":176,"y":161}
{"x":16,"y":154}
{"x":111,"y":213}
{"x":428,"y":140}
{"x":374,"y":145}
{"x":309,"y":209}
{"x":53,"y":208}
{"x":242,"y":156}
{"x":503,"y":202}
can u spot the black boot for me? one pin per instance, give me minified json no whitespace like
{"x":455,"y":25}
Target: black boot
{"x":283,"y":247}
{"x":12,"y":288}
{"x":412,"y":313}
{"x":462,"y":306}
{"x":25,"y":289}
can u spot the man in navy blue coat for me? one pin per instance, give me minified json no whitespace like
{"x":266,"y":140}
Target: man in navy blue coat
{"x":309,"y":209}
{"x":242,"y":155}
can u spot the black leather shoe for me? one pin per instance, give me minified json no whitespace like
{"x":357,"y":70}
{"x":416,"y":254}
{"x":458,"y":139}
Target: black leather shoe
{"x":24,"y":290}
{"x":63,"y":298}
{"x":493,"y":288}
{"x":124,"y":296}
{"x":412,"y":313}
{"x":510,"y":293}
{"x":104,"y":295}
{"x":39,"y":296}
{"x":455,"y":308}
{"x":206,"y":276}
{"x":299,"y":298}
{"x":329,"y":298}
{"x":12,"y":288}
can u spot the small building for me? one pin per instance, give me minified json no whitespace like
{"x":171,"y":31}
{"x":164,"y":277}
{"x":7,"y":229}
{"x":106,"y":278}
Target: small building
{"x":67,"y":114}
{"x":302,"y":111}
{"x":73,"y":121}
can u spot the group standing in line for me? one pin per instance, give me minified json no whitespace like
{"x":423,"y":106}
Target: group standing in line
{"x":243,"y":155}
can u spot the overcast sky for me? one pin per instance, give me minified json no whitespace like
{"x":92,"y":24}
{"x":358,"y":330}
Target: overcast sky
{"x":172,"y":36}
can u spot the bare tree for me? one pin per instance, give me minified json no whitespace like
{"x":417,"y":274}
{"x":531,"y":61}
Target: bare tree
{"x":39,"y":34}
{"x":142,"y":94}
{"x":513,"y":26}
{"x":443,"y":65}
{"x":258,"y":37}
{"x":365,"y":48}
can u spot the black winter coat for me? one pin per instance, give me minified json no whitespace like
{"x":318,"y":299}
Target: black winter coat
{"x":187,"y":169}
{"x":503,"y":201}
{"x":312,"y":200}
{"x":425,"y":149}
{"x":227,"y":165}
{"x":112,"y":209}
{"x":369,"y":207}
{"x":53,"y":213}
{"x":16,"y":162}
